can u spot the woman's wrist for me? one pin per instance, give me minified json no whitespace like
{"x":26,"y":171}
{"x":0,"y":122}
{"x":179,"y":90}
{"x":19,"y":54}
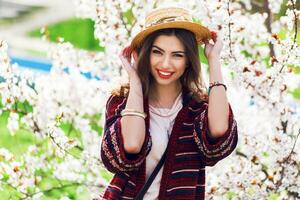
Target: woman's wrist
{"x":212,"y":58}
{"x":134,"y":78}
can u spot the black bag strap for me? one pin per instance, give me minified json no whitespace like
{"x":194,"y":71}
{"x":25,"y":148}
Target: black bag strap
{"x":143,"y":191}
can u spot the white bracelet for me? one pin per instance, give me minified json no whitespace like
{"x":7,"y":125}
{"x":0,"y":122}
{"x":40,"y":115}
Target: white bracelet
{"x":131,"y":112}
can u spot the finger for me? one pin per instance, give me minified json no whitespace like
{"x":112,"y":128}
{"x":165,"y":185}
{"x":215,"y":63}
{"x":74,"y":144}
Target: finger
{"x":129,"y":51}
{"x":219,"y":41}
{"x":205,"y":40}
{"x":208,"y":45}
{"x":125,"y":60}
{"x":126,"y":53}
{"x":214,"y":35}
{"x":125,"y":63}
{"x":135,"y":55}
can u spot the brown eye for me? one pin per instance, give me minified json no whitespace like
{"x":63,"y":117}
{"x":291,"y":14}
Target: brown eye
{"x":156,"y":51}
{"x":178,"y":55}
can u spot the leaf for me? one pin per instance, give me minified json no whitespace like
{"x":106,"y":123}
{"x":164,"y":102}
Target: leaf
{"x":230,"y":195}
{"x":265,"y":154}
{"x":273,"y":197}
{"x":5,"y":177}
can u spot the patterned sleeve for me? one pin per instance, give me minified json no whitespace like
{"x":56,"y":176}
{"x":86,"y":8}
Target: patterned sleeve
{"x":113,"y":154}
{"x":214,"y":149}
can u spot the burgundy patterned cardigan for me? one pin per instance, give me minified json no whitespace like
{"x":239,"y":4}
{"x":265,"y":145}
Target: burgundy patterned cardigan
{"x":189,"y":150}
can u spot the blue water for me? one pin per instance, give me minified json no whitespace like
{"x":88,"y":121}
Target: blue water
{"x":41,"y":65}
{"x":45,"y":66}
{"x":32,"y":64}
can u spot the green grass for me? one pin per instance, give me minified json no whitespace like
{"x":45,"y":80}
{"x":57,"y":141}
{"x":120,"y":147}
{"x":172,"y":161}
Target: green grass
{"x":107,"y":175}
{"x":72,"y":192}
{"x":79,"y":32}
{"x":296,"y":92}
{"x":18,"y":143}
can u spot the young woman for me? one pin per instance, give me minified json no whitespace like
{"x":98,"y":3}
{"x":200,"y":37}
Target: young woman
{"x":165,"y":107}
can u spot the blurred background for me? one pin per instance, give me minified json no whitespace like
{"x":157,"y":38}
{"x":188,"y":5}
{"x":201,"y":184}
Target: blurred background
{"x":28,"y":26}
{"x":22,"y":23}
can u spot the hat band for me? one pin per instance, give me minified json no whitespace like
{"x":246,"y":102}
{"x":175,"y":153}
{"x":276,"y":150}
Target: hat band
{"x":167,"y":19}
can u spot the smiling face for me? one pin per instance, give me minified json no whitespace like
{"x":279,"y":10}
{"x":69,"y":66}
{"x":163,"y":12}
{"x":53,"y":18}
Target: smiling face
{"x":168,"y":60}
{"x":167,"y":57}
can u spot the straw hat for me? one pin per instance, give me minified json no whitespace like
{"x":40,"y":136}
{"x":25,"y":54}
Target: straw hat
{"x":172,"y":17}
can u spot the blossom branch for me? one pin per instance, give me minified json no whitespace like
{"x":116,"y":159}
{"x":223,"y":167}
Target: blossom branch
{"x":13,"y":187}
{"x":295,"y":34}
{"x":74,"y":184}
{"x":294,"y":145}
{"x":268,"y":23}
{"x":229,"y":29}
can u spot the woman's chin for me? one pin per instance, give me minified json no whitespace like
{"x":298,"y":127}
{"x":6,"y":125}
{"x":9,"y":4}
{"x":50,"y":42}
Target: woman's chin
{"x":165,"y":82}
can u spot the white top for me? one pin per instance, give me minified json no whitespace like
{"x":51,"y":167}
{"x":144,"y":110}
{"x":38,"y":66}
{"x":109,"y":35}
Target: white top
{"x":161,"y":124}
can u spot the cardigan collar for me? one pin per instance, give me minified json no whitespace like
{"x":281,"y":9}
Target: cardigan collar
{"x":186,"y":97}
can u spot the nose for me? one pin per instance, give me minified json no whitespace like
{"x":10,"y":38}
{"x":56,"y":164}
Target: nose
{"x":166,"y":62}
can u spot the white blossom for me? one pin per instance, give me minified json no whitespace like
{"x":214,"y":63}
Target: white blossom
{"x":267,"y":157}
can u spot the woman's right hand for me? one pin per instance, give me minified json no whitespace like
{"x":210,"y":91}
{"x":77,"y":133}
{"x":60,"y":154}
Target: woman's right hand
{"x":129,"y":66}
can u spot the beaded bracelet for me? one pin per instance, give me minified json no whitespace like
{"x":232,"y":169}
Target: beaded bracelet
{"x":211,"y":85}
{"x":132,"y":112}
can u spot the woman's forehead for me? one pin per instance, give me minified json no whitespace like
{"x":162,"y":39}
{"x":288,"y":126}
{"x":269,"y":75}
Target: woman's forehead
{"x":168,"y":43}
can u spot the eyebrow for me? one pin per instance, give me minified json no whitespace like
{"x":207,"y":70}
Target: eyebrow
{"x":164,"y":51}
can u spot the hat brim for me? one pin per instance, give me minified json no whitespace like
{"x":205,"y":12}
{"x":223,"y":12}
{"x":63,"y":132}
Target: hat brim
{"x":202,"y":33}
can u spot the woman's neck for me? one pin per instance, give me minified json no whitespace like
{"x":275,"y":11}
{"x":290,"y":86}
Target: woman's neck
{"x":164,"y":96}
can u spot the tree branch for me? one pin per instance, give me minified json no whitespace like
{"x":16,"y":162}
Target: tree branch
{"x":268,"y":23}
{"x":295,"y":34}
{"x":62,"y":187}
{"x":229,"y":29}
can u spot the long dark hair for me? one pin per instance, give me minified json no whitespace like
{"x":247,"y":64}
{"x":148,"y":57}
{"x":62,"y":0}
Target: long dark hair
{"x":191,"y":79}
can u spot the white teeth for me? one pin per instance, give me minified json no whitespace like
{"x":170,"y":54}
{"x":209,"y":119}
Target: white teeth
{"x":165,"y":73}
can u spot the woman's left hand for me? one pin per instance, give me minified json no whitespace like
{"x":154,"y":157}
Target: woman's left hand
{"x":213,"y":50}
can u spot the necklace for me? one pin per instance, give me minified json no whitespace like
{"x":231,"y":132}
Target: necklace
{"x":166,"y":112}
{"x":167,"y":116}
{"x":155,"y":103}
